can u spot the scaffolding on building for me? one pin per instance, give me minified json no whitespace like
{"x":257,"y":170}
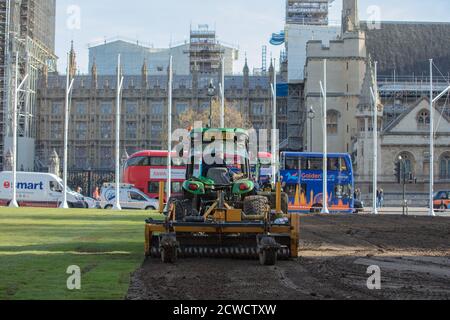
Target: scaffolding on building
{"x":17,"y":34}
{"x":205,"y":52}
{"x":307,"y":12}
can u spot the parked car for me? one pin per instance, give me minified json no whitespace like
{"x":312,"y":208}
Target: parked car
{"x":37,"y":190}
{"x":130,"y":198}
{"x":442,"y":200}
{"x":92,"y":203}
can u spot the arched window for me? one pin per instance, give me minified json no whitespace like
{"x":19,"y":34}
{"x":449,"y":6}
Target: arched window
{"x":423,"y":119}
{"x":444,"y":166}
{"x":332,"y":122}
{"x":408,"y":167}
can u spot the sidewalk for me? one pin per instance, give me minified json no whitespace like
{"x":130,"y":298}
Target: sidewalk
{"x":411,"y":211}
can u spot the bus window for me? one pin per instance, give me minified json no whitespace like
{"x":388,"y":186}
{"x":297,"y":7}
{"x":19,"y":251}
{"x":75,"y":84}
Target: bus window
{"x":333,"y":164}
{"x":137,"y":162}
{"x":315,"y":164}
{"x":158,"y":161}
{"x":291,"y":164}
{"x":177,"y":187}
{"x":153,"y":187}
{"x":337,"y":164}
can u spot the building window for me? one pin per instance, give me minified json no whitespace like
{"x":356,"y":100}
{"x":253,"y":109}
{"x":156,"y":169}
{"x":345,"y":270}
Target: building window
{"x":106,"y":108}
{"x":131,"y":108}
{"x":106,"y":158}
{"x":181,"y":108}
{"x":105,"y":130}
{"x":423,"y":119}
{"x":81,"y":108}
{"x":332,"y":122}
{"x":57,"y":108}
{"x":157,"y":108}
{"x":258,"y":109}
{"x":81,"y":157}
{"x":444,"y":164}
{"x":56,"y":130}
{"x":156,"y":130}
{"x":131,"y":130}
{"x":81,"y":131}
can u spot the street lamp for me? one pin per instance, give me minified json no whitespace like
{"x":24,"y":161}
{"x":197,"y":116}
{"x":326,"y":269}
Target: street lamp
{"x":311,"y":117}
{"x":211,"y":93}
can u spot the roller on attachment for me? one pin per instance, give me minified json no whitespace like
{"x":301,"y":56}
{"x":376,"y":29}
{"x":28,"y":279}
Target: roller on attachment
{"x":222,"y":213}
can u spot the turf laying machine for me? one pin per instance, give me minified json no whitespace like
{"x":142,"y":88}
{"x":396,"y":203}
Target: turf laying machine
{"x":223,"y":212}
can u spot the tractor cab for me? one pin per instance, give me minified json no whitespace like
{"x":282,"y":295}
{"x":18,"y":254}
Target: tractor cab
{"x":218,"y":159}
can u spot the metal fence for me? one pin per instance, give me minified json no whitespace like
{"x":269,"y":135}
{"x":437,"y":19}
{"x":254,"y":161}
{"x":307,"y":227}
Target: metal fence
{"x":87,"y":180}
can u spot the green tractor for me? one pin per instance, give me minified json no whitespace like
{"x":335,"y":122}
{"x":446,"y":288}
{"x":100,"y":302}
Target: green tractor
{"x":223,"y":212}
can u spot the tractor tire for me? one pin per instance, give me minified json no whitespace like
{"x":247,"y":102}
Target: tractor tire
{"x":268,"y":258}
{"x":256,"y":205}
{"x":272,"y":196}
{"x":183,"y":208}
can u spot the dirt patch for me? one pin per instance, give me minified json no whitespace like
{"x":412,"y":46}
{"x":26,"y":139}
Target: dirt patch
{"x":413,"y":254}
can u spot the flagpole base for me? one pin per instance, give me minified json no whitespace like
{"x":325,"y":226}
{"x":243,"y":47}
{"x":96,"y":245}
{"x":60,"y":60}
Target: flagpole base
{"x":13,"y":204}
{"x":325,"y":211}
{"x":64,"y":205}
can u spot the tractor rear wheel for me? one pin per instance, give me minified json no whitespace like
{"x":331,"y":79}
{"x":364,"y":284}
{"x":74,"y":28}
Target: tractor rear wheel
{"x":268,"y":257}
{"x":256,"y":205}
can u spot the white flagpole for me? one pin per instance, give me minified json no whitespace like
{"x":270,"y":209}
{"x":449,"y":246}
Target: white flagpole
{"x":169,"y":131}
{"x":431,"y":143}
{"x":13,"y":203}
{"x":118,"y":102}
{"x":375,"y":144}
{"x":325,"y":142}
{"x":69,"y":86}
{"x":222,"y":92}
{"x":274,"y":124}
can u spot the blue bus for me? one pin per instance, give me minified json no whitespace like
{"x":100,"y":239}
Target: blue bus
{"x":302,"y":179}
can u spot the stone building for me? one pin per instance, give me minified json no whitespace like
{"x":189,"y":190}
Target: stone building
{"x":346,"y":67}
{"x":144,"y":111}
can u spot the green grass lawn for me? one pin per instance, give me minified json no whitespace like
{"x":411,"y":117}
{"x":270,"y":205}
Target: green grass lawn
{"x":37,"y":246}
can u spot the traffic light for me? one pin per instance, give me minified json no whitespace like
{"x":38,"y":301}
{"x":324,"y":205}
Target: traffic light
{"x":398,"y":172}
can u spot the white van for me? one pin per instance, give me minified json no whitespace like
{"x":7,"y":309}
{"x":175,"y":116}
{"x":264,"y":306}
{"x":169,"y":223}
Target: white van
{"x":130,"y":198}
{"x":37,"y":190}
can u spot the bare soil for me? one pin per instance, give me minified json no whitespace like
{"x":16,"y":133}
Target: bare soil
{"x":413,"y":254}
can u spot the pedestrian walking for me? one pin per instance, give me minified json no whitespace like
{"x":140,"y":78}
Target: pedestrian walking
{"x":96,"y":194}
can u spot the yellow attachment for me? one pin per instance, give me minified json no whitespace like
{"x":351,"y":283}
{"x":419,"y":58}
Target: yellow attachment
{"x":234,"y":215}
{"x":161,"y":196}
{"x":278,"y":198}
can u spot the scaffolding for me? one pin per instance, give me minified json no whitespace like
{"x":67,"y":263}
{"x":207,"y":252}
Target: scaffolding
{"x":205,"y":52}
{"x":18,"y":32}
{"x":307,"y":12}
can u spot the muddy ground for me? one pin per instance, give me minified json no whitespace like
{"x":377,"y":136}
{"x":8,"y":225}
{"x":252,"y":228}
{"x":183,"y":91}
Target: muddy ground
{"x":413,"y":254}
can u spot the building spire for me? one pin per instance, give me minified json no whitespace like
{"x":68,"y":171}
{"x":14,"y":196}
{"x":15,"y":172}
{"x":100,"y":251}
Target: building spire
{"x":246,"y":70}
{"x":350,"y":17}
{"x":72,"y":61}
{"x":94,"y":73}
{"x":144,"y":73}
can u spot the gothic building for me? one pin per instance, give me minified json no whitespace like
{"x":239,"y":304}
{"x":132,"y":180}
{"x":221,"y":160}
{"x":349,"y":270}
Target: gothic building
{"x":144,"y":111}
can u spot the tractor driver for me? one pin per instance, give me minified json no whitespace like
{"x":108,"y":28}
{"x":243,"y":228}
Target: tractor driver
{"x":220,"y":163}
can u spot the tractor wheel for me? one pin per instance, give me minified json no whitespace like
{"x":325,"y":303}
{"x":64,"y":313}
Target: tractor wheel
{"x":169,"y":255}
{"x":272,"y":196}
{"x":183,"y":208}
{"x":256,"y":205}
{"x":268,"y":257}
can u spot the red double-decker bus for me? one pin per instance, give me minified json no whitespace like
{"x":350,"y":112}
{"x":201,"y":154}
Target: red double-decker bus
{"x":146,"y":169}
